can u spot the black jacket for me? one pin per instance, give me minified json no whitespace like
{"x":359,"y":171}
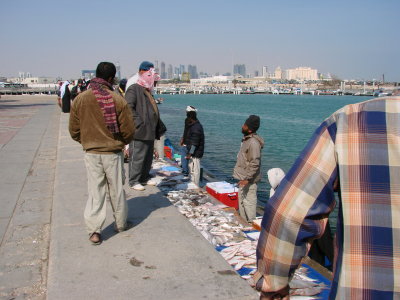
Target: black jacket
{"x":66,"y":100}
{"x":146,"y":119}
{"x":194,"y":137}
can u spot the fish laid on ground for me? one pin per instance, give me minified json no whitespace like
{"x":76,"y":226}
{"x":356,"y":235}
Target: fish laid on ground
{"x":221,"y":228}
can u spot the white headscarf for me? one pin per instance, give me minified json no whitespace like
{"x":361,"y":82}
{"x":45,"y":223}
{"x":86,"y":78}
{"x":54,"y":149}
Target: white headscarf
{"x":132,"y":80}
{"x":62,"y":88}
{"x":275,"y":177}
{"x":137,"y":78}
{"x":190,"y":108}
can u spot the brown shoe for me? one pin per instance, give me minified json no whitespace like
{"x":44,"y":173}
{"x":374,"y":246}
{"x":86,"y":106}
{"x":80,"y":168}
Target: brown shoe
{"x":95,"y":238}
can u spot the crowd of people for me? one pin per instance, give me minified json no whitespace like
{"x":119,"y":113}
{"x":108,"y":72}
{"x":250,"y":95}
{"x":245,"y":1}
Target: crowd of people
{"x":113,"y":123}
{"x":355,"y":152}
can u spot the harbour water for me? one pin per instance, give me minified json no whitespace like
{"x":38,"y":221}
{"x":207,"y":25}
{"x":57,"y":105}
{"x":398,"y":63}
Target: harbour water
{"x":287,"y":123}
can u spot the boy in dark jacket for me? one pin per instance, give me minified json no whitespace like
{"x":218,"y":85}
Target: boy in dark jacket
{"x":194,"y":143}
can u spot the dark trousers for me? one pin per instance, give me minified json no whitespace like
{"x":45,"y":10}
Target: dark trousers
{"x":141,"y":158}
{"x":323,"y":247}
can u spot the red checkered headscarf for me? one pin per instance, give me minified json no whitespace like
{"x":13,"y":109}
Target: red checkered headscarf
{"x":100,"y":89}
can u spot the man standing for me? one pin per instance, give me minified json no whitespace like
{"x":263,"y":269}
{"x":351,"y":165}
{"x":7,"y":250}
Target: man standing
{"x":122,"y":87}
{"x":77,"y":89}
{"x":247,"y":169}
{"x":102,"y":122}
{"x":194,"y":144}
{"x":146,"y":116}
{"x":359,"y":145}
{"x":65,"y":96}
{"x":183,"y":142}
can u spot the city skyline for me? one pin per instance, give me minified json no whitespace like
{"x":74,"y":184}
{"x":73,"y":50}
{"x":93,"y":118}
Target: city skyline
{"x":349,"y":39}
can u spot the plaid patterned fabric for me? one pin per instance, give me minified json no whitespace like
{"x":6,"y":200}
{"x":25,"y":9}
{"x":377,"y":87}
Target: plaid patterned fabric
{"x":360,"y":143}
{"x":100,"y":89}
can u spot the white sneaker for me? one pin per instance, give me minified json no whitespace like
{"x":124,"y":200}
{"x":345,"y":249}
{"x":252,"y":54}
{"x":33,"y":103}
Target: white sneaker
{"x":138,"y":187}
{"x":151,"y":182}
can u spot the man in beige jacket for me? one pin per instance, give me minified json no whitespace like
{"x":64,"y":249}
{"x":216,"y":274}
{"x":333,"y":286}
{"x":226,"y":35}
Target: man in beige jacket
{"x":102,"y":122}
{"x":247,"y":169}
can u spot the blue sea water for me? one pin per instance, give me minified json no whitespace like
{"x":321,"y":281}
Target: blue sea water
{"x":287,"y":123}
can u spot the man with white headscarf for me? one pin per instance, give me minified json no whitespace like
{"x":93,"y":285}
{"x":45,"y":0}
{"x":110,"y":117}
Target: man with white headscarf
{"x":275,"y":176}
{"x":65,"y":96}
{"x":147,"y":119}
{"x":183,"y":143}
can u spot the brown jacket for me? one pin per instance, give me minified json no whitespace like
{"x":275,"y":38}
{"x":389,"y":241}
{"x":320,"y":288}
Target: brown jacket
{"x":87,"y":125}
{"x":249,"y":159}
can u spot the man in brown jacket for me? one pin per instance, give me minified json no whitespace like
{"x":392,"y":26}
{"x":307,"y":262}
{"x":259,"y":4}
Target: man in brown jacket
{"x":247,"y":169}
{"x":102,"y":122}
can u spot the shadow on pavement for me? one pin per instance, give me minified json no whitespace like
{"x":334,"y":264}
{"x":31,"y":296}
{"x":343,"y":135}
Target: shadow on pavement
{"x":7,"y":100}
{"x":139,"y":208}
{"x":11,"y":106}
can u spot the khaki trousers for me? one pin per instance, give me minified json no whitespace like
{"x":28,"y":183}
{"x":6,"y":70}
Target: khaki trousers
{"x":194,"y":168}
{"x":248,"y":201}
{"x":105,"y":179}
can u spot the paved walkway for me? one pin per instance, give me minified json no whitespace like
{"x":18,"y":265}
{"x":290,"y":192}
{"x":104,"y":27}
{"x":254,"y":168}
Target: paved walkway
{"x":45,"y":251}
{"x":28,"y":149}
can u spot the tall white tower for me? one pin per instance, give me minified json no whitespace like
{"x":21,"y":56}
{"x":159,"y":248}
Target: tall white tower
{"x":265,"y":71}
{"x":118,"y":67}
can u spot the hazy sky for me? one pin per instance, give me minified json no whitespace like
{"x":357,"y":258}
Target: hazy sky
{"x":352,"y":39}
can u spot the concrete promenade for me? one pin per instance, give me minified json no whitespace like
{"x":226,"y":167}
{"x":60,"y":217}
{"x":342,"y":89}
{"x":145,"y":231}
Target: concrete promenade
{"x":44,"y":250}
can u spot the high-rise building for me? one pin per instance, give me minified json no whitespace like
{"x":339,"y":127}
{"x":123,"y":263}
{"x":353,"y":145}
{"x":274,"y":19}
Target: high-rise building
{"x":118,"y":67}
{"x":256,"y":73}
{"x":181,"y":69}
{"x":176,"y":73}
{"x":239,"y":69}
{"x":156,"y":68}
{"x":170,"y":72}
{"x":192,"y":70}
{"x":265,"y":71}
{"x":163,"y":74}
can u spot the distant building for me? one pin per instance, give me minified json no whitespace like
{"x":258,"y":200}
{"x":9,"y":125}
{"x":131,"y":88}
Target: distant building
{"x":88,"y":74}
{"x":265,"y":71}
{"x":192,"y":70}
{"x":212,"y":79}
{"x":239,"y":69}
{"x":156,"y":68}
{"x":277,"y":74}
{"x":181,"y":69}
{"x":301,"y":73}
{"x":170,"y":72}
{"x":256,"y":73}
{"x":23,"y":75}
{"x":163,"y":74}
{"x":177,"y":73}
{"x":118,"y":67}
{"x":38,"y":80}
